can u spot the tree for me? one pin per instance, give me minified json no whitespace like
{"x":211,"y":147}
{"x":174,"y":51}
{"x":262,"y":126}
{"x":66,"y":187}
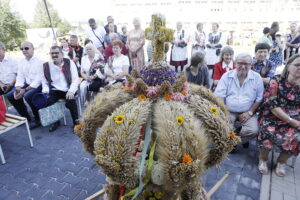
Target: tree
{"x":12,"y":27}
{"x":41,"y":19}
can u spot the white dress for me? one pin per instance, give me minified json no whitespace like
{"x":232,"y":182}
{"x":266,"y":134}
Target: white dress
{"x":179,"y":54}
{"x":211,"y":57}
{"x":117,"y":66}
{"x":198,"y":46}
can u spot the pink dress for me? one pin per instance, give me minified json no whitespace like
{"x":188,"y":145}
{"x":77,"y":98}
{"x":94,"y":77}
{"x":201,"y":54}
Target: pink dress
{"x":135,"y":44}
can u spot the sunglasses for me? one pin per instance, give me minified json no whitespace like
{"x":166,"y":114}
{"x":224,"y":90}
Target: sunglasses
{"x":25,"y":48}
{"x":54,"y":53}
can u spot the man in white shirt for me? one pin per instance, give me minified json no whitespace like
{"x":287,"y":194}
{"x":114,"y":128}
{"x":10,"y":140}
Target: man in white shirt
{"x":28,"y":83}
{"x":60,"y":81}
{"x":96,"y":34}
{"x":8,"y":71}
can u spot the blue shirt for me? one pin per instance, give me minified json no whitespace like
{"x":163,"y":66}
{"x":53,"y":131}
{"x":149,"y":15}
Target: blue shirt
{"x":240,"y":98}
{"x":266,"y":68}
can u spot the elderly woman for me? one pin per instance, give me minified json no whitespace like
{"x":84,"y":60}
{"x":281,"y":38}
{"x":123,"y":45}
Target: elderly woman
{"x":179,"y":48}
{"x":118,"y":65}
{"x":197,"y":72}
{"x":92,"y":71}
{"x":226,"y":64}
{"x":280,"y":117}
{"x":135,"y":44}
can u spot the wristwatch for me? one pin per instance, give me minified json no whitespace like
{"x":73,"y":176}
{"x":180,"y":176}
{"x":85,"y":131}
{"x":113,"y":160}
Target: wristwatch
{"x":250,"y":113}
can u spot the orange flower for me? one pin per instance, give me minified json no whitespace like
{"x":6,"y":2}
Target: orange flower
{"x":168,"y":97}
{"x":127,"y":88}
{"x":79,"y":126}
{"x":232,"y":134}
{"x":184,"y":92}
{"x":142,"y":97}
{"x":187,"y":159}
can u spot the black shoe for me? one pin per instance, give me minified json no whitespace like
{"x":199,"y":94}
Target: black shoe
{"x":34,"y":124}
{"x":246,"y":145}
{"x":54,"y":126}
{"x":234,"y":150}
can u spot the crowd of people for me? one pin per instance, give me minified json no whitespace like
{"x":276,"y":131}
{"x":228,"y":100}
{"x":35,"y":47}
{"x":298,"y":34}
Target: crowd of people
{"x":260,"y":103}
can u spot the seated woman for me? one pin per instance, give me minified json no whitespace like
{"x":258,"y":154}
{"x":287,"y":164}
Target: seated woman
{"x":92,"y":71}
{"x":108,"y":50}
{"x":65,"y":47}
{"x":197,"y":72}
{"x":118,"y":64}
{"x":225,"y":64}
{"x":280,"y":117}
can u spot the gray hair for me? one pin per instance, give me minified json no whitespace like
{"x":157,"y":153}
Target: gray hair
{"x":2,"y":45}
{"x":243,"y":55}
{"x":226,"y":50}
{"x":90,"y":45}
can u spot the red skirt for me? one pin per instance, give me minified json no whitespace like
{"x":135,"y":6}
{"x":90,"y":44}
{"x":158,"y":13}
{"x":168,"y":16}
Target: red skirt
{"x":178,"y":63}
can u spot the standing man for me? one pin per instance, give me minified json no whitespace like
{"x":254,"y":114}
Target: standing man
{"x":60,"y":81}
{"x":241,"y":90}
{"x":261,"y":64}
{"x":96,"y":34}
{"x":8,"y":71}
{"x":110,"y":19}
{"x":76,"y":51}
{"x":28,"y":82}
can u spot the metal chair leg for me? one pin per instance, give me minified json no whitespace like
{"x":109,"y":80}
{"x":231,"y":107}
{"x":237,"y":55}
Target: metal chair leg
{"x":2,"y":156}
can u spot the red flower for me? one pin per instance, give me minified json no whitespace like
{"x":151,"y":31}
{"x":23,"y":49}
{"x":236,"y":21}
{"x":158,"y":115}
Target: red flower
{"x":271,"y":128}
{"x":291,"y":96}
{"x":279,"y":136}
{"x":294,"y":146}
{"x":62,"y":69}
{"x":267,"y":94}
{"x":267,"y":144}
{"x":287,"y":146}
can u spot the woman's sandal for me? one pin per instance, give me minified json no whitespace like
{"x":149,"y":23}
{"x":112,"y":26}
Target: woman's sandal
{"x":280,"y":169}
{"x":263,"y":167}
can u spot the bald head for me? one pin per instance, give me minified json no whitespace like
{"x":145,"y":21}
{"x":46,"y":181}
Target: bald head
{"x":27,"y":49}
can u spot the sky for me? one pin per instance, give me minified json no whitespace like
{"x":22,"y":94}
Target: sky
{"x":67,"y":9}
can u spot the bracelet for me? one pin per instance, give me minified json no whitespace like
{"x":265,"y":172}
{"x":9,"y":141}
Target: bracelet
{"x":289,"y":120}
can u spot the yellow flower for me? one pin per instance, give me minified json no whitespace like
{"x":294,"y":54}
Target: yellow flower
{"x":119,"y":119}
{"x":184,"y":92}
{"x":214,"y":110}
{"x":168,"y":97}
{"x":232,"y":134}
{"x":131,"y":122}
{"x":180,"y":120}
{"x":187,"y":159}
{"x":127,"y":88}
{"x":142,"y":97}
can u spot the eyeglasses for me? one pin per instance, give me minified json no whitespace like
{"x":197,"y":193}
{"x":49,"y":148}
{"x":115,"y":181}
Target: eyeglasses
{"x":25,"y":48}
{"x":243,"y":64}
{"x":54,"y":53}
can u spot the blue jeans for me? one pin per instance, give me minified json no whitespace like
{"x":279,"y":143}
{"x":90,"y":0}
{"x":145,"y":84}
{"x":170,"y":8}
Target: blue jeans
{"x":19,"y":104}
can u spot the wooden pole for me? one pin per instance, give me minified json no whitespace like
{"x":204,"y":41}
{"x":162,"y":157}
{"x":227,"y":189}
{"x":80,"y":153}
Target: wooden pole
{"x":217,"y":186}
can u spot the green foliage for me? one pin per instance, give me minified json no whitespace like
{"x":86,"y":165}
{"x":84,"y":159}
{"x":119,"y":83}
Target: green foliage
{"x":12,"y":28}
{"x":41,"y":19}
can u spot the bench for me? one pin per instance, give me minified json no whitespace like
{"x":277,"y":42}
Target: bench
{"x":11,"y":122}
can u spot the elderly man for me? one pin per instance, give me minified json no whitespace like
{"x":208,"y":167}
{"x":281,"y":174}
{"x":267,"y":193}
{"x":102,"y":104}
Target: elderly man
{"x":261,"y":64}
{"x":96,"y":34}
{"x":242,"y":92}
{"x":8,"y":71}
{"x":110,"y":19}
{"x":28,"y":82}
{"x":60,"y":81}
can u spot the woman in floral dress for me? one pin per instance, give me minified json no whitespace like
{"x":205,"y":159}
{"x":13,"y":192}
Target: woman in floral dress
{"x":280,"y":117}
{"x":135,"y":44}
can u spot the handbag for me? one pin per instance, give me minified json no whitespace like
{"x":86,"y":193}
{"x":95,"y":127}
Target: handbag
{"x":52,"y":113}
{"x":2,"y":110}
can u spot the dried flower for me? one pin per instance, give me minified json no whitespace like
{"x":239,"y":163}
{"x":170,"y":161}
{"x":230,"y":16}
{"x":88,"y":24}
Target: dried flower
{"x":184,"y":92}
{"x":180,"y":120}
{"x":232,"y":134}
{"x":142,"y":97}
{"x":168,"y":97}
{"x":187,"y":159}
{"x":158,"y":195}
{"x":177,"y":96}
{"x":152,"y":92}
{"x":79,"y":126}
{"x":119,"y":119}
{"x":214,"y":110}
{"x":127,"y":88}
{"x":185,"y":86}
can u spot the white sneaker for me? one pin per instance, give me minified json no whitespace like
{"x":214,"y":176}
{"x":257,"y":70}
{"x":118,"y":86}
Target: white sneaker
{"x":280,"y":169}
{"x":263,"y":167}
